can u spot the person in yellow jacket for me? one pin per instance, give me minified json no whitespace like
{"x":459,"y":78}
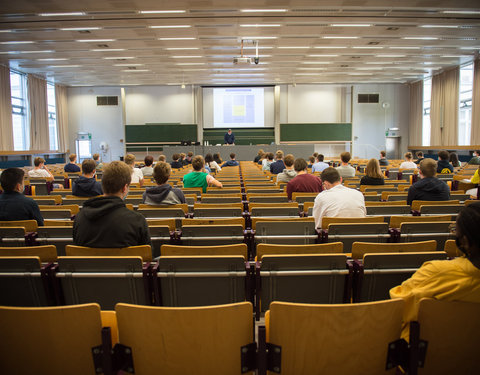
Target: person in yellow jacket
{"x":449,"y":280}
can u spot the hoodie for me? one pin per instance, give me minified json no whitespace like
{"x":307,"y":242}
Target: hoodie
{"x":286,"y":175}
{"x":428,"y":189}
{"x":107,"y":222}
{"x":444,"y":166}
{"x":163,"y":194}
{"x":86,"y":187}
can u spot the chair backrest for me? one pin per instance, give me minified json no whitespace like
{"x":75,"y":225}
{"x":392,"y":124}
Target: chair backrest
{"x":143,"y":251}
{"x":177,"y":348}
{"x":286,"y":211}
{"x":436,"y":230}
{"x":65,"y":347}
{"x":276,"y":249}
{"x":348,"y":233}
{"x":169,"y":222}
{"x":338,"y":339}
{"x":159,"y":213}
{"x":182,"y":206}
{"x":417,"y":204}
{"x":256,"y":220}
{"x":267,"y":198}
{"x":359,"y":249}
{"x":450,"y":209}
{"x":451,"y":249}
{"x":218,"y":212}
{"x":388,"y":203}
{"x":218,"y":221}
{"x":56,"y":214}
{"x":178,"y":250}
{"x":286,"y":232}
{"x":219,"y":199}
{"x":57,"y":223}
{"x":326,"y":221}
{"x":104,"y":280}
{"x":12,"y":236}
{"x":384,"y":210}
{"x":396,"y":221}
{"x":452,"y":343}
{"x":198,"y":205}
{"x":46,"y":254}
{"x":29,"y":225}
{"x":212,"y":234}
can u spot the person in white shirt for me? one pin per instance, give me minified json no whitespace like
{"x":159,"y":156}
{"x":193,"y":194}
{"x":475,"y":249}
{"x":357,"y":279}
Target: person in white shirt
{"x":408,"y":163}
{"x":344,"y":169}
{"x":148,"y":169}
{"x":212,"y":164}
{"x":137,"y":174}
{"x":337,"y":200}
{"x":40,"y":170}
{"x":319,"y":166}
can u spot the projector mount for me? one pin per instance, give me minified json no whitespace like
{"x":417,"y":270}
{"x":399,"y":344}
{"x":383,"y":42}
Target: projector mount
{"x":242,"y":59}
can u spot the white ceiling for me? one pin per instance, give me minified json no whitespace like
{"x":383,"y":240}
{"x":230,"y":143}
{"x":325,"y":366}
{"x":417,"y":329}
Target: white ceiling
{"x":308,"y":41}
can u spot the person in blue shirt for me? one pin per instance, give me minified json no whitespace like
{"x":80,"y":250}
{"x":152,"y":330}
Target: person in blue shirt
{"x":319,"y":166}
{"x":229,"y":137}
{"x":277,"y":166}
{"x":13,"y":204}
{"x":232,"y":162}
{"x":72,"y":167}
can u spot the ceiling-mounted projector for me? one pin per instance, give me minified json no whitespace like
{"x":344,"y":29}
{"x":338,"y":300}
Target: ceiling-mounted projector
{"x":242,"y":60}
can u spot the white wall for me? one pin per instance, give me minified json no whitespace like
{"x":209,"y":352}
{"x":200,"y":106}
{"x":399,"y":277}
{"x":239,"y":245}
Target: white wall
{"x":103,"y":122}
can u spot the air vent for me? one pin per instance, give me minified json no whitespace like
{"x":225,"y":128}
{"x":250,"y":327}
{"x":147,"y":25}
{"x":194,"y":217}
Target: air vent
{"x":392,"y":28}
{"x":102,"y":45}
{"x":84,"y":31}
{"x":373,"y":43}
{"x":368,"y":98}
{"x":107,"y":100}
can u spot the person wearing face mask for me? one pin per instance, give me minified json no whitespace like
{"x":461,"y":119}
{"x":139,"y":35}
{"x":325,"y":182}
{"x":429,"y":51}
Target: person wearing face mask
{"x":13,"y":204}
{"x":450,"y":280}
{"x":105,"y":221}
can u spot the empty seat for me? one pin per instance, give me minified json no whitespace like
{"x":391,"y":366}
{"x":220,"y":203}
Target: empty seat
{"x":359,"y":249}
{"x":161,"y":213}
{"x":58,"y":236}
{"x":180,"y":250}
{"x":348,"y":233}
{"x":388,"y":210}
{"x":439,"y":231}
{"x":46,"y":253}
{"x":56,"y":214}
{"x":285,"y":232}
{"x":275,"y":211}
{"x":12,"y":236}
{"x":212,"y":234}
{"x":450,"y":209}
{"x":159,"y":235}
{"x":142,"y":251}
{"x":29,"y":225}
{"x":218,"y":212}
{"x":275,"y":249}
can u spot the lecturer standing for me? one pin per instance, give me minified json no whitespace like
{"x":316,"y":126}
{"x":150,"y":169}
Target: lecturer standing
{"x":229,"y":137}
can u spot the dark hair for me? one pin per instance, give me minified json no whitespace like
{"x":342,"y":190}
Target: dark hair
{"x":217,"y":158}
{"x":443,"y":155}
{"x":148,"y":160}
{"x":311,"y":159}
{"x":467,"y":227}
{"x":320,"y":157}
{"x":190,"y":154}
{"x":175,"y":157}
{"x":88,"y":166}
{"x":10,"y":178}
{"x":270,"y":155}
{"x":345,"y":156}
{"x":232,"y":156}
{"x":420,"y":154}
{"x":289,"y":160}
{"x":331,"y":175}
{"x":300,"y":165}
{"x":454,"y":159}
{"x":96,"y":156}
{"x":38,"y":160}
{"x":72,"y":157}
{"x":161,"y":172}
{"x":428,"y":167}
{"x":116,"y":175}
{"x":208,"y":158}
{"x":383,"y":153}
{"x":198,"y":163}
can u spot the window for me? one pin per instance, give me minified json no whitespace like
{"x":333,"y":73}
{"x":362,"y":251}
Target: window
{"x":427,"y":100}
{"x":465,"y":105}
{"x":21,"y":128}
{"x":52,"y":117}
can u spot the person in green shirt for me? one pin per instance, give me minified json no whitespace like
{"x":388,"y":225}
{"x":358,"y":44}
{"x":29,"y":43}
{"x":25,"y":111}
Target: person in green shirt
{"x":476,"y":158}
{"x":199,"y":178}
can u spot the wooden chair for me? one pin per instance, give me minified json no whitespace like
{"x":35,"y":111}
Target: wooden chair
{"x":448,"y":209}
{"x":267,"y":198}
{"x":12,"y":236}
{"x":326,"y":221}
{"x":451,"y":249}
{"x":359,"y":249}
{"x":333,"y":339}
{"x":396,"y":221}
{"x":182,"y":206}
{"x":440,"y":231}
{"x":286,"y":232}
{"x":59,"y":214}
{"x":237,"y":205}
{"x":57,"y":223}
{"x":74,"y":208}
{"x":388,"y":210}
{"x":388,"y":203}
{"x":46,"y":254}
{"x":171,"y":223}
{"x":255,"y":220}
{"x":54,"y":340}
{"x":212,"y":234}
{"x":217,"y":212}
{"x":452,"y":343}
{"x":417,"y":204}
{"x":143,"y":251}
{"x":228,"y":198}
{"x":211,"y":342}
{"x":29,"y":225}
{"x":215,"y":221}
{"x":227,"y":250}
{"x":275,"y":249}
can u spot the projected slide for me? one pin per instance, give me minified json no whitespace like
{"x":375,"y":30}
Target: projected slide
{"x":238,"y":107}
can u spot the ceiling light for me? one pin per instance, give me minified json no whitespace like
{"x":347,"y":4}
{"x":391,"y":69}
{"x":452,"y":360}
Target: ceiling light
{"x":462,"y":11}
{"x":43,"y":51}
{"x":322,"y":55}
{"x":62,"y":14}
{"x":420,"y":38}
{"x":52,"y":59}
{"x":404,"y":47}
{"x":118,"y":58}
{"x":195,"y":63}
{"x":107,"y":49}
{"x":128,"y":64}
{"x":261,"y":25}
{"x":390,"y":55}
{"x":94,"y":40}
{"x":340,"y":37}
{"x":439,"y":26}
{"x":135,"y":70}
{"x":470,"y":47}
{"x":6,"y":31}
{"x":258,"y":37}
{"x":79,"y":28}
{"x":186,"y":57}
{"x":170,"y":27}
{"x":262,"y":10}
{"x":293,"y":47}
{"x":160,"y":11}
{"x":315,"y":62}
{"x":177,"y":38}
{"x":350,"y":25}
{"x":183,"y":85}
{"x":18,"y":42}
{"x":330,"y":47}
{"x":65,"y":66}
{"x":367,"y":47}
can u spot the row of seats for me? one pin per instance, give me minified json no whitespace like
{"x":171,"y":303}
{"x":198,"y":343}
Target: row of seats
{"x":297,"y":339}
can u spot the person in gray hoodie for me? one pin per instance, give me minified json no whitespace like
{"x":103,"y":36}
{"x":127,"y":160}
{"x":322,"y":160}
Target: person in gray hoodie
{"x":86,"y":185}
{"x":163,"y":193}
{"x":429,"y":188}
{"x":289,"y":172}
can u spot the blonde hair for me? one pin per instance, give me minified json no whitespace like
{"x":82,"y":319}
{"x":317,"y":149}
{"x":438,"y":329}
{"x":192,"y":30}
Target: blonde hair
{"x":72,"y":157}
{"x":408,"y":155}
{"x":130,"y":159}
{"x":116,"y":175}
{"x":373,"y":169}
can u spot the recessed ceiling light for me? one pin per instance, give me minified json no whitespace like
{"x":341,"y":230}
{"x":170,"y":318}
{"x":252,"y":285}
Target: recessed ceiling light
{"x":108,"y":50}
{"x":95,"y":40}
{"x":181,"y":48}
{"x":79,"y":28}
{"x":350,"y":25}
{"x":43,"y":51}
{"x":170,"y":27}
{"x":135,"y":70}
{"x":461,"y":11}
{"x":160,"y":11}
{"x":439,"y":26}
{"x":177,"y":38}
{"x":261,"y":25}
{"x":262,"y":10}
{"x":293,"y":47}
{"x":118,"y":58}
{"x":186,"y":57}
{"x":258,"y":37}
{"x":53,"y":59}
{"x":195,"y":63}
{"x":62,"y":14}
{"x":340,"y":37}
{"x":6,"y":31}
{"x":64,"y":66}
{"x":420,"y":38}
{"x":18,"y":42}
{"x":128,"y":64}
{"x":322,"y":55}
{"x":390,"y":56}
{"x":330,"y":47}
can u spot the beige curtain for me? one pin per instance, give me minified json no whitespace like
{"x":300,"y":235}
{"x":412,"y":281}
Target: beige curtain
{"x":444,"y":108}
{"x":6,"y":124}
{"x":37,"y":102}
{"x":416,"y":114}
{"x":62,"y":117}
{"x":475,"y":138}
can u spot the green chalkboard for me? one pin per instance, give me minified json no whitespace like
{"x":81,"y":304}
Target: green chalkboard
{"x":316,"y":132}
{"x":244,"y":136}
{"x":161,"y":133}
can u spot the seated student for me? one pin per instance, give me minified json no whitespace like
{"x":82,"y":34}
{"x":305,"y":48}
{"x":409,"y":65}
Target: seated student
{"x":13,"y":204}
{"x":475,"y":158}
{"x":217,"y":158}
{"x":147,"y":170}
{"x":40,"y":170}
{"x":337,"y":200}
{"x":259,"y":155}
{"x":262,"y":158}
{"x":320,"y":165}
{"x":303,"y":182}
{"x":289,"y":171}
{"x":408,"y":163}
{"x":429,"y":188}
{"x":383,"y":158}
{"x":176,"y":163}
{"x":267,"y":161}
{"x":373,"y":174}
{"x":449,"y":280}
{"x":199,"y":178}
{"x":345,"y":170}
{"x":72,"y":167}
{"x":419,"y":157}
{"x":182,"y":158}
{"x":86,"y":185}
{"x":106,"y":221}
{"x":212,"y":164}
{"x":443,"y":165}
{"x":474,"y":180}
{"x":162,"y":158}
{"x":232,"y":162}
{"x":278,"y":165}
{"x":98,"y":163}
{"x":163,"y":193}
{"x":311,"y":161}
{"x":453,"y":159}
{"x":188,"y":159}
{"x":137,"y":175}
